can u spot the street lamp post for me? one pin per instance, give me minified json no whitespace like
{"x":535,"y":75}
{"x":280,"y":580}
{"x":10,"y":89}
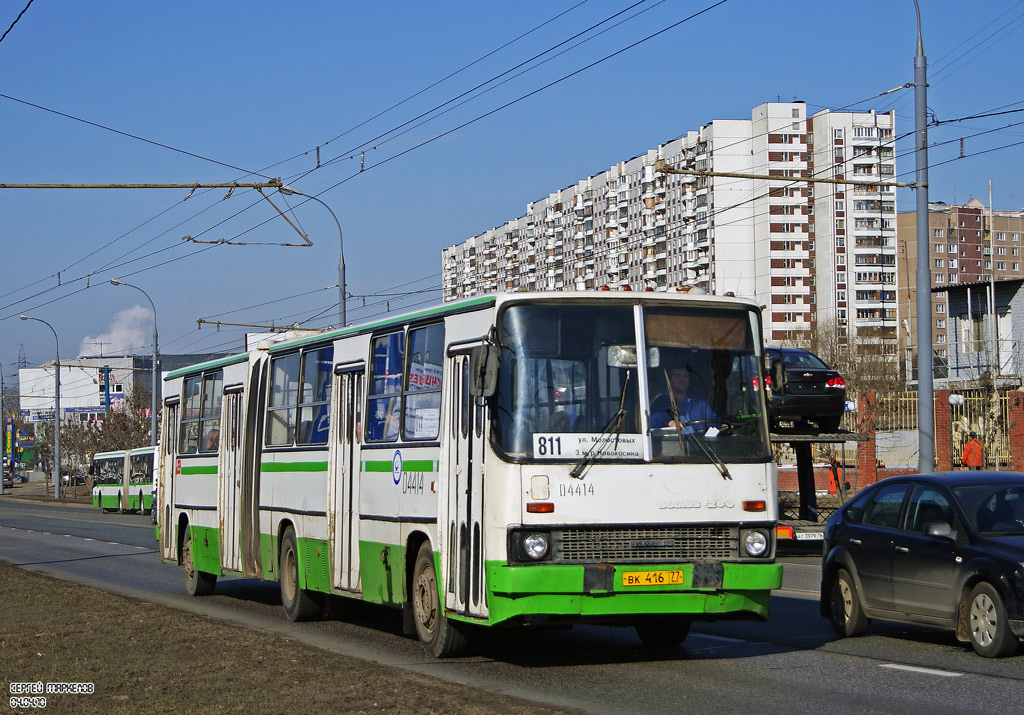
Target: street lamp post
{"x":156,"y":355}
{"x":56,"y":408}
{"x":290,"y":191}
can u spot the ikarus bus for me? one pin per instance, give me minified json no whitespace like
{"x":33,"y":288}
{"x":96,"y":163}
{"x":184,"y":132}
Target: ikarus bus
{"x":122,"y":480}
{"x":528,"y":458}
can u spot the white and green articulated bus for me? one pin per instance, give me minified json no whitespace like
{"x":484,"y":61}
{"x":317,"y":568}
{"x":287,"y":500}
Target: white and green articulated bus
{"x":512,"y":459}
{"x":122,"y":480}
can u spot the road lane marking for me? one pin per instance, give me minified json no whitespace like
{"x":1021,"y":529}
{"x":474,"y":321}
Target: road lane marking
{"x":923,"y":671}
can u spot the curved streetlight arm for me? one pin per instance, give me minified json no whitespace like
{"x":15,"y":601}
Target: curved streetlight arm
{"x":342,"y":316}
{"x":56,"y":407}
{"x":156,"y":356}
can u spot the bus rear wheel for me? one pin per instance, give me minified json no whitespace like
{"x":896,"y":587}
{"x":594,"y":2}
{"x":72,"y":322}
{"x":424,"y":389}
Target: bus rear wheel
{"x":441,"y":637}
{"x":197,"y":583}
{"x":299,"y":603}
{"x":663,"y":632}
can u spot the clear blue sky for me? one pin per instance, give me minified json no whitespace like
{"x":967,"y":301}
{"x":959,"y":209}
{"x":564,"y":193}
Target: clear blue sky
{"x":259,"y":85}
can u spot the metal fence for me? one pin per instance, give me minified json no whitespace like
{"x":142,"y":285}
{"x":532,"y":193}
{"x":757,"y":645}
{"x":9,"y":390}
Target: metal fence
{"x":988,"y":415}
{"x":981,"y":411}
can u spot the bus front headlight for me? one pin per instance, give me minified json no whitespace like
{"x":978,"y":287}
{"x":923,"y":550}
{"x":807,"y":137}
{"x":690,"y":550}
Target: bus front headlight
{"x":535,"y":546}
{"x":755,"y":543}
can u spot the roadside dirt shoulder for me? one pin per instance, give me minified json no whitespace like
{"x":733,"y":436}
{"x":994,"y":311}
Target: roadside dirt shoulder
{"x":142,"y":657}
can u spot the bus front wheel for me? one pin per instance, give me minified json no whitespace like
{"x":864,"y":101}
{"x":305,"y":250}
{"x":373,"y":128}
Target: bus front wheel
{"x":299,"y":604}
{"x":441,"y":637}
{"x":197,"y":583}
{"x":663,"y":632}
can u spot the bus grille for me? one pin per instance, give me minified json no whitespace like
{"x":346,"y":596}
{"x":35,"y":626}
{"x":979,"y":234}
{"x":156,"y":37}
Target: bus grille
{"x":632,"y":545}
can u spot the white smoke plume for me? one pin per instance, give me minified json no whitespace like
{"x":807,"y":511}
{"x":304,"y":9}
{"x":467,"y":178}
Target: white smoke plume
{"x":130,"y":333}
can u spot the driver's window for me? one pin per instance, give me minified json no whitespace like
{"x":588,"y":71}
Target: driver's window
{"x":927,"y":506}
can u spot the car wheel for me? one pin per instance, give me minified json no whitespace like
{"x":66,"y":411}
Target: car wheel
{"x":987,"y":624}
{"x":844,"y":608}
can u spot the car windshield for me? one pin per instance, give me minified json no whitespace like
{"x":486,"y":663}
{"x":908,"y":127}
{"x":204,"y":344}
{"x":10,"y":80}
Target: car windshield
{"x":571,"y":376}
{"x":993,"y":509}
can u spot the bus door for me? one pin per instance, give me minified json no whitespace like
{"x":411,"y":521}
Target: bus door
{"x":168,"y":469}
{"x":462,"y":542}
{"x":344,"y":477}
{"x":124,"y":496}
{"x":229,"y":469}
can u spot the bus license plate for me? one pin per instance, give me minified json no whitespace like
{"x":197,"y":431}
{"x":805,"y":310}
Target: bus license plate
{"x":652,"y":578}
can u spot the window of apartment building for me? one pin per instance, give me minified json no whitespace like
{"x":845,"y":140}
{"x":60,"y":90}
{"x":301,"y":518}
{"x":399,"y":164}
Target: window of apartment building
{"x":840,"y":224}
{"x":1000,"y":265}
{"x":840,"y":241}
{"x":988,"y":265}
{"x":939,"y":263}
{"x":940,"y":278}
{"x":940,"y":324}
{"x":953,"y":263}
{"x":840,"y":259}
{"x":1014,"y":237}
{"x":840,"y":277}
{"x":1000,"y":236}
{"x":937,"y":233}
{"x":940,"y":247}
{"x":1016,"y":267}
{"x":837,"y":133}
{"x":940,"y":307}
{"x":940,"y":338}
{"x":840,"y":205}
{"x":841,"y":296}
{"x":952,"y":248}
{"x":1001,"y":250}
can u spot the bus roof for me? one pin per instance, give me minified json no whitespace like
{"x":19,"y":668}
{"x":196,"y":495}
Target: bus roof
{"x":470,"y":304}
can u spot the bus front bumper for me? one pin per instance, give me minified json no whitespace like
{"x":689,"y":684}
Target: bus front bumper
{"x":609,"y":592}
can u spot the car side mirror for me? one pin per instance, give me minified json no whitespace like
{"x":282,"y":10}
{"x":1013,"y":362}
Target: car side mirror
{"x":940,"y":529}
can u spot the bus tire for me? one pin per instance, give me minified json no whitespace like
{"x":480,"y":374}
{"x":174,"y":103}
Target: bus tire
{"x":663,"y":632}
{"x":197,"y":583}
{"x":440,"y":637}
{"x":299,"y":603}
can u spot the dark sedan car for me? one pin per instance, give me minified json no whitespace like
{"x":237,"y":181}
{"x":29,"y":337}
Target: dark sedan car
{"x":942,"y":550}
{"x":802,"y":388}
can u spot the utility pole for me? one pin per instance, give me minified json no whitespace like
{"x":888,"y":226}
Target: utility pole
{"x":925,"y":398}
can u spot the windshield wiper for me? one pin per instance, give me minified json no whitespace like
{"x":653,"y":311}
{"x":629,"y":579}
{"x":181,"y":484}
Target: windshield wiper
{"x":699,"y":439}
{"x":598,"y":447}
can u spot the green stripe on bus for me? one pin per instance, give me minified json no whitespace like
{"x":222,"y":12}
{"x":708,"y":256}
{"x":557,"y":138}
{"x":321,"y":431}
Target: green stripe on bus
{"x":293,"y":466}
{"x":205,"y":469}
{"x":410,"y":465}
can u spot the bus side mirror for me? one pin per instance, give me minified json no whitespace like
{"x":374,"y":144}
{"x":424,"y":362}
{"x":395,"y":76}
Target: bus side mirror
{"x":483,"y":371}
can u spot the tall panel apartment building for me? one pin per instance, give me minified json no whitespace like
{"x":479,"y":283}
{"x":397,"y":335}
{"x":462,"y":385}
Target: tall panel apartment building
{"x":758,"y":237}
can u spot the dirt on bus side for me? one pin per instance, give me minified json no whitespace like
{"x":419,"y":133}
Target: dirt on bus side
{"x":168,"y":661}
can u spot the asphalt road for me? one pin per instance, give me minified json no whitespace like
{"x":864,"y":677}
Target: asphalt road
{"x":791,"y":663}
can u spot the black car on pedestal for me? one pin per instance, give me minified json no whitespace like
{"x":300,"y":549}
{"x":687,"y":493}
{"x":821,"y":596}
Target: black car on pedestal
{"x":802,"y":388}
{"x":942,"y":550}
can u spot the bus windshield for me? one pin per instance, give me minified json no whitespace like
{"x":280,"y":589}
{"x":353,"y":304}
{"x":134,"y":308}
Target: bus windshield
{"x":572,"y":376}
